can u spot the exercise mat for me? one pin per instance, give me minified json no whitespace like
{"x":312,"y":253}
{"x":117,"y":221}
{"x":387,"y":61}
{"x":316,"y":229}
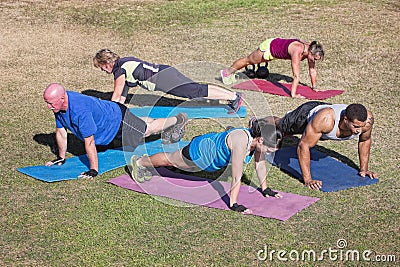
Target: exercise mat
{"x":193,"y":112}
{"x":334,"y":174}
{"x":284,"y":89}
{"x":215,"y":194}
{"x":108,"y":160}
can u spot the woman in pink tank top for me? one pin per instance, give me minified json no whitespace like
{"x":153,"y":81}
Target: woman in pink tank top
{"x":278,"y":48}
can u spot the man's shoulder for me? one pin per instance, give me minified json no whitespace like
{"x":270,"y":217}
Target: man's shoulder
{"x":324,"y":119}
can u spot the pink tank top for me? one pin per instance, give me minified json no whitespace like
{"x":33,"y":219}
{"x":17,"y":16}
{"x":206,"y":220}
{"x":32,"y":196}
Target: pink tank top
{"x":279,"y":48}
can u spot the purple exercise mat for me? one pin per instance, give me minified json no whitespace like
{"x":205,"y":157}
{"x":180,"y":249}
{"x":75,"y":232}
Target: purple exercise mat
{"x":213,"y":194}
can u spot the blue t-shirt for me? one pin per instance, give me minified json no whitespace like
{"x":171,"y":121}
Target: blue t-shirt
{"x":87,"y":115}
{"x":210,"y":152}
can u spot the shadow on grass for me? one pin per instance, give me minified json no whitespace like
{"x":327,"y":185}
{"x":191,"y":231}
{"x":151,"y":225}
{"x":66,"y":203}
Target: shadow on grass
{"x":74,"y":146}
{"x":139,"y":99}
{"x":213,"y":179}
{"x":77,"y":147}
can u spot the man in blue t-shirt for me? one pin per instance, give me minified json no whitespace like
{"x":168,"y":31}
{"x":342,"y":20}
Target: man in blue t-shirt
{"x":99,"y":122}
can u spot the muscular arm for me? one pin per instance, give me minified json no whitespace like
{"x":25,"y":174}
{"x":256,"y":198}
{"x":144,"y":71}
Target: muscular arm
{"x":119,"y":84}
{"x":61,"y":140}
{"x":323,"y":122}
{"x":91,"y":151}
{"x":364,"y":147}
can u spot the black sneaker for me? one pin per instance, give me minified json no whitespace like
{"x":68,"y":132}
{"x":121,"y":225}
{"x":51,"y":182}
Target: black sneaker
{"x":236,"y":104}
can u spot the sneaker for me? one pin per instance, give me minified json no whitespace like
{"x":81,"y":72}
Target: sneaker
{"x":176,"y":132}
{"x":227,"y":78}
{"x":139,"y":173}
{"x":236,"y":104}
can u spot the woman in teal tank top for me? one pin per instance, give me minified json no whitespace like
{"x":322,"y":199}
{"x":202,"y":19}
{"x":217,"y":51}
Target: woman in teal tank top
{"x":214,"y":151}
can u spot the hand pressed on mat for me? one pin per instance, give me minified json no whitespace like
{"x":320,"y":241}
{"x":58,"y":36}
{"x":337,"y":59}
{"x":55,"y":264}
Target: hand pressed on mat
{"x":90,"y":174}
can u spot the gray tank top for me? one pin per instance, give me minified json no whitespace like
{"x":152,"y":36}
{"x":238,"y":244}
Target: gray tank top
{"x":339,"y":110}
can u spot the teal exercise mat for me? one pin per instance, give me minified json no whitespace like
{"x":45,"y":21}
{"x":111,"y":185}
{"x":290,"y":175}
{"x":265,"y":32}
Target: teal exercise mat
{"x":193,"y":112}
{"x":108,"y":160}
{"x":334,"y":174}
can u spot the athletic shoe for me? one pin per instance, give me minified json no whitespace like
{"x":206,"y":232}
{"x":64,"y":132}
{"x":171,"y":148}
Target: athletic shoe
{"x":176,"y":132}
{"x":227,"y":78}
{"x":236,"y":104}
{"x":139,"y":173}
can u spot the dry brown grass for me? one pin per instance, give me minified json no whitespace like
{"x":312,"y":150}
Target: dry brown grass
{"x":40,"y":44}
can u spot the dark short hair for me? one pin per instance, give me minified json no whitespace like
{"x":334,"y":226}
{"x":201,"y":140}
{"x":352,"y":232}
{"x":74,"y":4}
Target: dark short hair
{"x":356,"y":112}
{"x":267,"y":130}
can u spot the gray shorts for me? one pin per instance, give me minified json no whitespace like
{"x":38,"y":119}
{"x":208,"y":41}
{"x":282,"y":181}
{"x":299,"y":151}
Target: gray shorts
{"x":131,"y":130}
{"x":169,"y":80}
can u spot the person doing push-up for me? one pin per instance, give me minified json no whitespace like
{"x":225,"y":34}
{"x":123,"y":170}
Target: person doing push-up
{"x":213,"y":151}
{"x":278,"y":48}
{"x":131,"y":71}
{"x":316,"y":121}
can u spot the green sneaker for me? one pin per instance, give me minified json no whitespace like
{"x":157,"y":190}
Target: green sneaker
{"x":139,"y":173}
{"x":227,"y":79}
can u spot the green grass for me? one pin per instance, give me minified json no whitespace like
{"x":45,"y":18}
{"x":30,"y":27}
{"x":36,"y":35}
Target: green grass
{"x":93,"y":223}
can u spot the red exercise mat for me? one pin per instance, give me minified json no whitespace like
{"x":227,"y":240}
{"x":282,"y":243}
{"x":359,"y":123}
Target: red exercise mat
{"x":284,"y":89}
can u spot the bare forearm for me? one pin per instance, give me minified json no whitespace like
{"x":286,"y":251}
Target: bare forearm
{"x":91,"y":151}
{"x":61,"y":139}
{"x":261,"y":171}
{"x":295,"y":83}
{"x":303,"y":153}
{"x":363,"y":153}
{"x":313,"y":78}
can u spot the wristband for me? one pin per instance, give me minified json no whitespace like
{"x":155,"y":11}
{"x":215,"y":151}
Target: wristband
{"x":269,"y":192}
{"x":59,"y":161}
{"x":90,"y":173}
{"x":239,"y":208}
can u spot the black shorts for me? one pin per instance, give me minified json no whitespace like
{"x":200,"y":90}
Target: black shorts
{"x":185,"y":153}
{"x":169,"y":80}
{"x":295,"y":121}
{"x":132,"y":128}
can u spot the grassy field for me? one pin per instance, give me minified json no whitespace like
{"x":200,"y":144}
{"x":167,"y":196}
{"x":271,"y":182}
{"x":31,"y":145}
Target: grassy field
{"x":92,"y":223}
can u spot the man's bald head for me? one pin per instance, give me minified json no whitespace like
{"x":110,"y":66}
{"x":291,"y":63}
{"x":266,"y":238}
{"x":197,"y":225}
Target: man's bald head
{"x":54,"y":90}
{"x":55,"y":95}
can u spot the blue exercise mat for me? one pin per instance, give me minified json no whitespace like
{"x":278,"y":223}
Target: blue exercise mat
{"x":194,"y":112}
{"x":108,"y":160}
{"x":334,"y":174}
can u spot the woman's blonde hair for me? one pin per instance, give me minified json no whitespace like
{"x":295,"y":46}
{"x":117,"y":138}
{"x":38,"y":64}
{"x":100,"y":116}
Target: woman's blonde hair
{"x":103,"y":57}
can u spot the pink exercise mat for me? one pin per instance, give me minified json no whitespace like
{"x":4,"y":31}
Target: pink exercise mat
{"x":284,"y":89}
{"x":214,"y":194}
